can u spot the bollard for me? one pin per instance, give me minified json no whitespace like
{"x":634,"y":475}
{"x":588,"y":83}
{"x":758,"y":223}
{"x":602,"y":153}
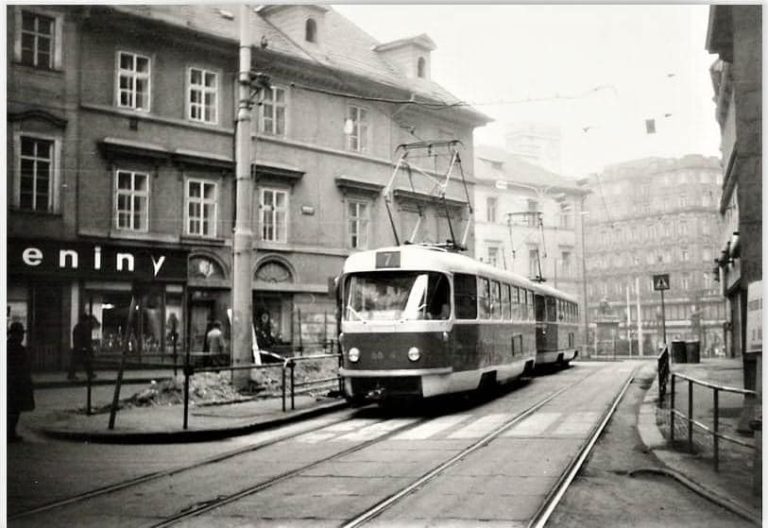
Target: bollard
{"x":672,"y":411}
{"x":715,"y":439}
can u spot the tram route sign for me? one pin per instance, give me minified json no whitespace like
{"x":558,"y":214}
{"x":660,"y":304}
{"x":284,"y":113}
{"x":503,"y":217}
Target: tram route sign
{"x":661,"y":282}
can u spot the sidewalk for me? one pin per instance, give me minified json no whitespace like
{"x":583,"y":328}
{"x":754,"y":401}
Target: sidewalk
{"x":732,"y":484}
{"x":60,"y":412}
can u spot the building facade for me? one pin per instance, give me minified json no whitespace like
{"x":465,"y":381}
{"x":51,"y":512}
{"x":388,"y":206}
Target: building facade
{"x":735,"y":35}
{"x":655,"y":216}
{"x":121,"y":168}
{"x":528,"y":220}
{"x":536,"y":143}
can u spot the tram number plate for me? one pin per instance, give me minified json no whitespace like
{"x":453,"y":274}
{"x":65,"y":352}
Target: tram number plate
{"x":387,"y":259}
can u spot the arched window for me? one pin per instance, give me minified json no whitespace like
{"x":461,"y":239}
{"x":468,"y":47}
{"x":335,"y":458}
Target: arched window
{"x":273,"y":271}
{"x":310,"y":33}
{"x":421,"y":68}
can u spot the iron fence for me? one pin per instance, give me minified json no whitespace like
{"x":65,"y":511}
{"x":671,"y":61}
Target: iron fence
{"x":715,"y":430}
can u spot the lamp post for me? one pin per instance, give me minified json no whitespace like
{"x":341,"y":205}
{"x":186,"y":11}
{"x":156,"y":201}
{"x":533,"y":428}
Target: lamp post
{"x":249,"y":85}
{"x":582,"y":214}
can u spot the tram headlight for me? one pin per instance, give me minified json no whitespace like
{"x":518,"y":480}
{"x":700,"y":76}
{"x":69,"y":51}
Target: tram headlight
{"x":354,"y":354}
{"x":414,"y":353}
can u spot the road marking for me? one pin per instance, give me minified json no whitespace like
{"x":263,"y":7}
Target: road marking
{"x":534,"y":425}
{"x":579,"y":423}
{"x":432,"y":427}
{"x":375,"y":431}
{"x":482,"y":426}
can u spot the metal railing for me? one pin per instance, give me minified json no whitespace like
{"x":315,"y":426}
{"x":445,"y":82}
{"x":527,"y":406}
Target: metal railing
{"x":287,"y":365}
{"x":715,"y":430}
{"x":662,"y":367}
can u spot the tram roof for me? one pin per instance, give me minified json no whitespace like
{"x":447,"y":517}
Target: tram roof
{"x":423,"y":257}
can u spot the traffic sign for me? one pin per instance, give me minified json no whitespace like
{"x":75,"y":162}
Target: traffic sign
{"x":661,"y":282}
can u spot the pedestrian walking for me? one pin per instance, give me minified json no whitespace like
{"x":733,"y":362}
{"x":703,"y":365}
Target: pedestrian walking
{"x":215,"y":344}
{"x":82,"y":347}
{"x":20,"y":392}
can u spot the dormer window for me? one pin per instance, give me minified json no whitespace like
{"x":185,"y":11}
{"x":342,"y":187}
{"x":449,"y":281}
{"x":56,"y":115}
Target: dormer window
{"x":421,"y":68}
{"x":310,"y":30}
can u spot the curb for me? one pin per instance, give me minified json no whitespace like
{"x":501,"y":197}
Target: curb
{"x":182,"y":436}
{"x":66,"y":384}
{"x":656,"y":444}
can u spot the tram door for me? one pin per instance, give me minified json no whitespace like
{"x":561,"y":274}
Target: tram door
{"x":540,"y":311}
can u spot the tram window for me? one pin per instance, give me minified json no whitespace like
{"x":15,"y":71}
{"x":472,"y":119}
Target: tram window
{"x":465,"y":296}
{"x":551,"y":310}
{"x":540,"y":310}
{"x":495,"y":300}
{"x":484,"y":298}
{"x":397,"y":295}
{"x":506,"y":311}
{"x":529,"y":310}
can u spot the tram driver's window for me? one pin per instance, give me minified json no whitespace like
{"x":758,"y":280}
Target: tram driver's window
{"x":465,"y":296}
{"x":484,"y":298}
{"x":438,"y":297}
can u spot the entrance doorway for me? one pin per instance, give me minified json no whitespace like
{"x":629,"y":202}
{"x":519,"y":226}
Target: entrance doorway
{"x":201,"y":318}
{"x":45,"y":331}
{"x":272,"y":320}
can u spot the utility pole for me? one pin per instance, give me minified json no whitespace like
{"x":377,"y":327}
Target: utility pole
{"x":584,"y":275}
{"x":242,"y":301}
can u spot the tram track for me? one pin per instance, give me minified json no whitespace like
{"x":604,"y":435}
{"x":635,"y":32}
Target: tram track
{"x":156,"y":475}
{"x":380,"y":507}
{"x":206,"y":505}
{"x":557,"y":493}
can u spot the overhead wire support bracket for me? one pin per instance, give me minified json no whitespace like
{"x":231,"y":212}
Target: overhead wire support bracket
{"x":440,"y":182}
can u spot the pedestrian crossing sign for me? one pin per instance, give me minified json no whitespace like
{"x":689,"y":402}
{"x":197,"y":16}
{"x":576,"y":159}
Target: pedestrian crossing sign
{"x":661,"y":282}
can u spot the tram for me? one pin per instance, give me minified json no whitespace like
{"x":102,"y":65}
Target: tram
{"x":421,"y":321}
{"x":557,"y":319}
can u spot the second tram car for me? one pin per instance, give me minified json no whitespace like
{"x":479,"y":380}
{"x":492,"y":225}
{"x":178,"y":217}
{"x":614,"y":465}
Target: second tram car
{"x":557,"y":318}
{"x":420,"y":321}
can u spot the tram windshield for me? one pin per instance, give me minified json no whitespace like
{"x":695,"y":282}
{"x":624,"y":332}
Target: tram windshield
{"x":395,"y":296}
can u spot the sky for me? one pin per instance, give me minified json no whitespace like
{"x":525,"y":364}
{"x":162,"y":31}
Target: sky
{"x":603,"y":68}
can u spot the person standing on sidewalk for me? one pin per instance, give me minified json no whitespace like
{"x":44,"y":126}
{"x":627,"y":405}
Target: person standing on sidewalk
{"x":215,"y":344}
{"x":82,"y":347}
{"x":20,"y":392}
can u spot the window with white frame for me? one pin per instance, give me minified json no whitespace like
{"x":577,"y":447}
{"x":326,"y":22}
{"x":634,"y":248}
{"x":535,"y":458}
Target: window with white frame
{"x":493,"y":256}
{"x":272,"y":111}
{"x":490,"y":208}
{"x":37,"y":40}
{"x":684,"y":254}
{"x":683,"y":228}
{"x":357,"y":127}
{"x":274,"y":215}
{"x":131,"y":200}
{"x":133,"y":76}
{"x":685,"y":281}
{"x":202,"y":96}
{"x":357,"y":223}
{"x":202,"y":207}
{"x":35,"y":189}
{"x":565,"y":263}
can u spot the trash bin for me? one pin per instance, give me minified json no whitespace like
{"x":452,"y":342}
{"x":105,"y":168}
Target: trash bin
{"x":692,"y":352}
{"x":678,"y":352}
